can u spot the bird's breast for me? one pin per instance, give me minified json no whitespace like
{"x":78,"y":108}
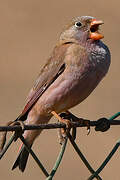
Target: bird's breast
{"x":75,"y":84}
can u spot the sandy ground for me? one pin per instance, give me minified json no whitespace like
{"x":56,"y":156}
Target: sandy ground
{"x":28,"y":32}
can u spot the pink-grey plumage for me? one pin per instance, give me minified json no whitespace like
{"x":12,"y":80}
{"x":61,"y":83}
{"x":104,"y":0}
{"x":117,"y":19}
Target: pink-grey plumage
{"x":77,"y":64}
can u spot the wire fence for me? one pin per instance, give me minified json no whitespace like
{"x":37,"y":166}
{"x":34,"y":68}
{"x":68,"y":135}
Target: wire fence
{"x":102,"y":124}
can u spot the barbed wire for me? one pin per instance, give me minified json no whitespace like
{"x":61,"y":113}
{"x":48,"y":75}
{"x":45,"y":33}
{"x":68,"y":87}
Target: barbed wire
{"x":102,"y":124}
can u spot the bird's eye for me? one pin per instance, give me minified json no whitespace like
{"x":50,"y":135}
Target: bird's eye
{"x":78,"y":24}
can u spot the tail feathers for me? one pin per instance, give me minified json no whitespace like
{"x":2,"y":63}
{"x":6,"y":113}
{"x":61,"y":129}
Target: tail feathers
{"x":22,"y":158}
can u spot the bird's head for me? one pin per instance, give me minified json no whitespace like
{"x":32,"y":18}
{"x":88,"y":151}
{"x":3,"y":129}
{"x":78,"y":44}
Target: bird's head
{"x":81,"y":29}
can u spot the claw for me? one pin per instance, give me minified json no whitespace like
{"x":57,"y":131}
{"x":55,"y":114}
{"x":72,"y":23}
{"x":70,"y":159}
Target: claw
{"x":88,"y":131}
{"x":62,"y":133}
{"x":61,"y":136}
{"x":68,"y":115}
{"x":87,"y":123}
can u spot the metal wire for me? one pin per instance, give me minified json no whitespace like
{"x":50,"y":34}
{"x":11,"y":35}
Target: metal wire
{"x":34,"y":156}
{"x":102,"y":125}
{"x":77,"y":149}
{"x":52,"y":126}
{"x":105,"y":161}
{"x":59,"y":158}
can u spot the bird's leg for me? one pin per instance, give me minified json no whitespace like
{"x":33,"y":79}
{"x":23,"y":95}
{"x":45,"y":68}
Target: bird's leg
{"x":65,"y":121}
{"x":80,"y":120}
{"x":74,"y":129}
{"x":62,"y":133}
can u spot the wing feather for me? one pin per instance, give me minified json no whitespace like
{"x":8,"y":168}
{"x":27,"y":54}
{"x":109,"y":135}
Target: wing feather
{"x":48,"y":74}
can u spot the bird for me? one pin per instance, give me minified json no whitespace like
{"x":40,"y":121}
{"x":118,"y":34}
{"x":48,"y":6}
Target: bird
{"x":77,"y":64}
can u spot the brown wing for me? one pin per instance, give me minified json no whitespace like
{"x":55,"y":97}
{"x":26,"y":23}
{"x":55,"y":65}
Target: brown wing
{"x":51,"y":71}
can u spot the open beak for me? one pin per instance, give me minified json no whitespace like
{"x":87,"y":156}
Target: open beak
{"x":94,"y":27}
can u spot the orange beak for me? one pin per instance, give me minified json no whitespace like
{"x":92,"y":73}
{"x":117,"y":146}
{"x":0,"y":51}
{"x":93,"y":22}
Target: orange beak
{"x":94,"y":27}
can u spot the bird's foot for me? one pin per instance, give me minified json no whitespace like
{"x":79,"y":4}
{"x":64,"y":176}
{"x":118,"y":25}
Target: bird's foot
{"x":68,"y":115}
{"x":62,"y":133}
{"x":84,"y":122}
{"x":87,"y":123}
{"x":73,"y":118}
{"x":80,"y":120}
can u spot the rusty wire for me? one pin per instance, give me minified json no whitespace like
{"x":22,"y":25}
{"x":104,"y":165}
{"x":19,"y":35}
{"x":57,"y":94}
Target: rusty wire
{"x":103,"y":124}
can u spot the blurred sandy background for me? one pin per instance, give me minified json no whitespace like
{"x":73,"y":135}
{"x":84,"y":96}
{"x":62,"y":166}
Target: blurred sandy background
{"x":29,"y":30}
